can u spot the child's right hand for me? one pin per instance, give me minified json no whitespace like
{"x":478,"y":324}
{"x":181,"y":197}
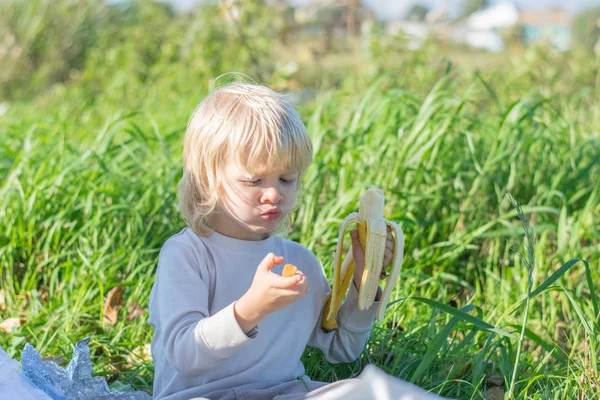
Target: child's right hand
{"x":269,"y":292}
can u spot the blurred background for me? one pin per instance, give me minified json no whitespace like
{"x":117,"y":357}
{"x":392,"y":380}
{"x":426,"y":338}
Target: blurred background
{"x":448,"y":106}
{"x":298,"y":45}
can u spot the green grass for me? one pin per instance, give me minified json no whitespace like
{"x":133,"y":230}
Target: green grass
{"x":492,"y":174}
{"x":80,"y":217}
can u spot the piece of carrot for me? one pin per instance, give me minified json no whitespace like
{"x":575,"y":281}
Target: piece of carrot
{"x":289,"y":270}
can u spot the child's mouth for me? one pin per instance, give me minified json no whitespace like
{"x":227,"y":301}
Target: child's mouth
{"x":271,"y":215}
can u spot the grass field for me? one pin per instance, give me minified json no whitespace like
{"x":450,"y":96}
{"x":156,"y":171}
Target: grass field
{"x":496,"y":296}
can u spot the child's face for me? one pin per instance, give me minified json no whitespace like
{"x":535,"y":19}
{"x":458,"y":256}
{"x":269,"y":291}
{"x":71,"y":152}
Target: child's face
{"x":253,"y":205}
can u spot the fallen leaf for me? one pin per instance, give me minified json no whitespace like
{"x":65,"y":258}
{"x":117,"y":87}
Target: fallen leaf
{"x":9,"y":324}
{"x":494,"y":393}
{"x":114,"y":299}
{"x":134,"y":311}
{"x":495,"y":380}
{"x":44,"y":295}
{"x":141,"y":353}
{"x":138,"y":355}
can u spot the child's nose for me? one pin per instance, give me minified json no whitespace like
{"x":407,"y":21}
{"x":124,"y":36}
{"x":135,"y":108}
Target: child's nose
{"x":271,"y":195}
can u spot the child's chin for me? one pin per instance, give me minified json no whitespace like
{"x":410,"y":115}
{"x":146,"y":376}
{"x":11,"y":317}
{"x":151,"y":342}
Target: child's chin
{"x":268,"y":227}
{"x":262,"y":228}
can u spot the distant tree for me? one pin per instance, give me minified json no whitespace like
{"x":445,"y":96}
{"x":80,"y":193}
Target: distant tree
{"x":585,"y":27}
{"x":471,"y":6}
{"x":43,"y":42}
{"x":417,"y":12}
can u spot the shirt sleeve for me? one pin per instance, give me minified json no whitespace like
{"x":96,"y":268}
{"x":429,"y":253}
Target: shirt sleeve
{"x":346,"y":343}
{"x":194,"y":341}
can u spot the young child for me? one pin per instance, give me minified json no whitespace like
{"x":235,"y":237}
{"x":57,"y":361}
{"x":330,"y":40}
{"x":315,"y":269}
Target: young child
{"x":226,"y":324}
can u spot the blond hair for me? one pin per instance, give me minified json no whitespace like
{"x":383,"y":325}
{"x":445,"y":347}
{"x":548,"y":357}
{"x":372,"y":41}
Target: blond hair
{"x":245,"y":123}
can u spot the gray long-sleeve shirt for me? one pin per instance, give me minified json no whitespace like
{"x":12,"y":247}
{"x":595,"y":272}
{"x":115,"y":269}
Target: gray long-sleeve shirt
{"x":198,"y":346}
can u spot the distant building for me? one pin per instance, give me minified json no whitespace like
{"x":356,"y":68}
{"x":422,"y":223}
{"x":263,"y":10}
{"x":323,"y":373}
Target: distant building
{"x":552,"y":25}
{"x":479,"y":30}
{"x":482,"y":26}
{"x":485,"y":29}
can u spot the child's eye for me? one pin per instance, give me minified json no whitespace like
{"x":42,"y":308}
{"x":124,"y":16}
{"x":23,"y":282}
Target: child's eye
{"x":287,"y":181}
{"x":252,"y":183}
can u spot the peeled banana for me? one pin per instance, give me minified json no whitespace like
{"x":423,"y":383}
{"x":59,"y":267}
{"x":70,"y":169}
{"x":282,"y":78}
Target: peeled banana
{"x":372,"y":232}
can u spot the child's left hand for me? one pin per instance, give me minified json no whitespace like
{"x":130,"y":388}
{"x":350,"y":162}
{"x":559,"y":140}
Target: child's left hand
{"x":358,"y":254}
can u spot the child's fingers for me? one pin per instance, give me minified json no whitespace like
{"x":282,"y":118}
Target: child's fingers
{"x":270,"y":261}
{"x":293,"y":295}
{"x":387,"y":257}
{"x":354,"y":237}
{"x":357,"y":250}
{"x":300,"y":288}
{"x":280,"y":282}
{"x":389,"y":243}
